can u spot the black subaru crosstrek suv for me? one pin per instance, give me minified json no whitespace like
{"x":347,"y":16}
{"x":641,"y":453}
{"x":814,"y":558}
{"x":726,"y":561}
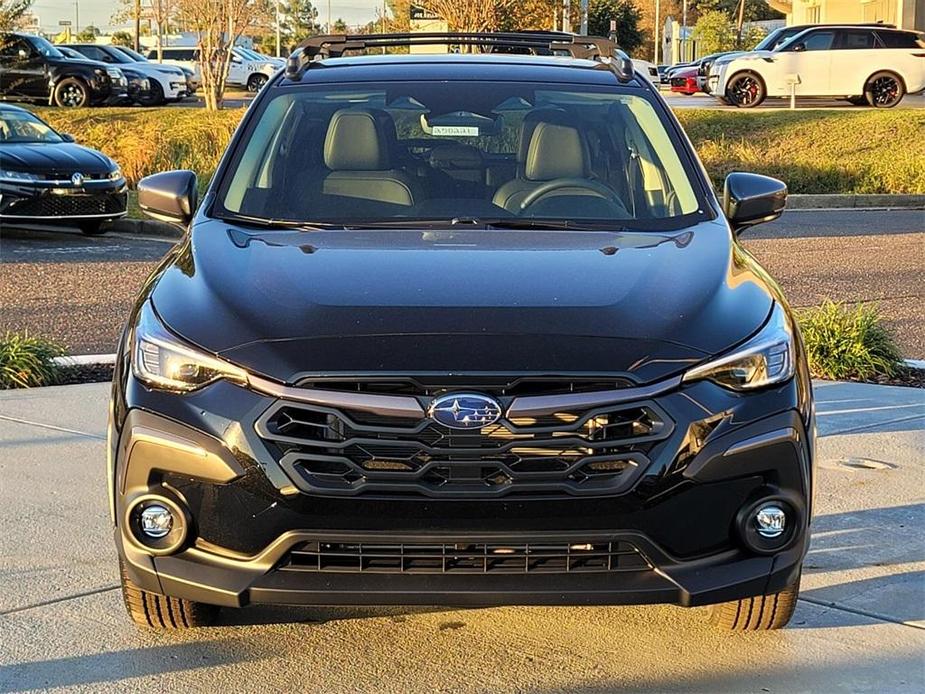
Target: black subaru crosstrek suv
{"x":467,"y":329}
{"x":32,"y":69}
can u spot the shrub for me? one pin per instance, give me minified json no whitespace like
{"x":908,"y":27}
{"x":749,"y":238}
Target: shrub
{"x":27,"y":361}
{"x":848,"y":342}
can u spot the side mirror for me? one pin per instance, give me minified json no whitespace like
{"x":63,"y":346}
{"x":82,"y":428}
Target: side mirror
{"x":67,"y":137}
{"x":797,"y":47}
{"x":750,"y":199}
{"x":169,"y":197}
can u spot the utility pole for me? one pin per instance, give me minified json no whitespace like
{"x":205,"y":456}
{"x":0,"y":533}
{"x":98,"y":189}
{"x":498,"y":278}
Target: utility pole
{"x":138,"y":25}
{"x":684,"y":32}
{"x":279,"y":38}
{"x":76,"y":16}
{"x":658,"y":45}
{"x":566,"y":15}
{"x":739,"y":24}
{"x":330,"y":27}
{"x":584,"y":18}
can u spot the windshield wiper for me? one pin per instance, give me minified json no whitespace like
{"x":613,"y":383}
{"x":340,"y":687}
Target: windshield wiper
{"x":270,"y":223}
{"x":533,"y":223}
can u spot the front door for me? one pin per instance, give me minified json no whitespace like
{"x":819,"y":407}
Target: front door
{"x":810,"y":59}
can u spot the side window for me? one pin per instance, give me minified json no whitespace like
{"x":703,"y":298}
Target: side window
{"x":854,"y":40}
{"x":11,"y":48}
{"x":152,"y":55}
{"x":900,"y":39}
{"x":92,"y":53}
{"x":818,"y":41}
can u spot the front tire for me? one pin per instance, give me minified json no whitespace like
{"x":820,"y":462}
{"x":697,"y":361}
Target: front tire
{"x":71,"y":93}
{"x":160,"y":612}
{"x":255,"y":82}
{"x":155,"y":95}
{"x":746,"y":90}
{"x":760,"y":613}
{"x":884,"y":90}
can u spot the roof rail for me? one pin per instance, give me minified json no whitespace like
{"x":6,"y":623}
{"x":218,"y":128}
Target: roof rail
{"x":535,"y":42}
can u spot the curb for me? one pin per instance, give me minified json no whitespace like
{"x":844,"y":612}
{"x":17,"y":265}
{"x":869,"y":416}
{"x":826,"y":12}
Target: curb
{"x":146,"y":227}
{"x":869,"y":201}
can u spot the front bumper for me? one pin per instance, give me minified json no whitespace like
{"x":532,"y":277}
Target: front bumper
{"x":247,"y":519}
{"x":63,"y":200}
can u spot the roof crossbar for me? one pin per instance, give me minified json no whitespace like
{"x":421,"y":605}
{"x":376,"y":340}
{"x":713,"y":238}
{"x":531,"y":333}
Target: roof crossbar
{"x":534,"y":42}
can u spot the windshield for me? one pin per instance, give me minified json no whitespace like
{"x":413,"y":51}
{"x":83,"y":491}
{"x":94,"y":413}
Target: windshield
{"x":458,"y":151}
{"x":116,"y":55}
{"x":21,"y":126}
{"x":137,"y":57}
{"x":776,"y":38}
{"x":45,"y":48}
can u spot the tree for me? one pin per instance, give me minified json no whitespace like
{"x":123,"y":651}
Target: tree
{"x":627,"y":15}
{"x":88,"y":34}
{"x":299,"y":21}
{"x":218,"y":24}
{"x":529,"y":14}
{"x":755,"y":10}
{"x":340,"y":26}
{"x":122,"y":38}
{"x":162,"y":14}
{"x":468,"y":15}
{"x":12,"y":10}
{"x":715,"y":32}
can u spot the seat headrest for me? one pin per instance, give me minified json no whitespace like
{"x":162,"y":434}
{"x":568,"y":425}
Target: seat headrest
{"x":531,"y":120}
{"x":357,"y":140}
{"x":557,"y":150}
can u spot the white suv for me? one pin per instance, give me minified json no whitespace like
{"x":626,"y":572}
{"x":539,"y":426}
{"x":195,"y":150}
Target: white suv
{"x":863,"y":64}
{"x":244,"y":71}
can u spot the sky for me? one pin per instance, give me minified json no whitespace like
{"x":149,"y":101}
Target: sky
{"x":98,"y":12}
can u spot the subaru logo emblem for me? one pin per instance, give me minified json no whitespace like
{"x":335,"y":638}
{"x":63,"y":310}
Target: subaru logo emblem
{"x":464,"y":411}
{"x":77,"y":179}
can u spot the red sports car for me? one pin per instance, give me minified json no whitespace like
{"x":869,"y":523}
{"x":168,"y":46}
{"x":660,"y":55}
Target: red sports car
{"x":685,"y":81}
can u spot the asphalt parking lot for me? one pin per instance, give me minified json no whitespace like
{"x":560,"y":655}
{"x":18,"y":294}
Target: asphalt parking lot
{"x":78,"y":290}
{"x":859,"y":625}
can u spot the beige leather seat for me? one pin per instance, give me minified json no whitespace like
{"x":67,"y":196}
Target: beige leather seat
{"x":557,"y":150}
{"x":356,"y":150}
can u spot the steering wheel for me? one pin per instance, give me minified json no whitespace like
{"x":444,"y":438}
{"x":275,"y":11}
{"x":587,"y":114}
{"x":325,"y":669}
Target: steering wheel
{"x":557,"y":183}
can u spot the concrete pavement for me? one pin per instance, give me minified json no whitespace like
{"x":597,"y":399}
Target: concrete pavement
{"x":860,"y":624}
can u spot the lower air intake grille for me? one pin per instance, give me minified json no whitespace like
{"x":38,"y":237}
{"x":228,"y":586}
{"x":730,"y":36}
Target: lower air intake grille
{"x":472,"y":558}
{"x":68,"y":205}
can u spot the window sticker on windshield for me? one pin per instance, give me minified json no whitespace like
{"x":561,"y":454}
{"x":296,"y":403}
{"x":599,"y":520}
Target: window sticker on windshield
{"x":455,"y":131}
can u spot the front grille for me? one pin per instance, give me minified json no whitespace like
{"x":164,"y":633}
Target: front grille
{"x":348,"y":453}
{"x":68,"y":205}
{"x":579,"y":556}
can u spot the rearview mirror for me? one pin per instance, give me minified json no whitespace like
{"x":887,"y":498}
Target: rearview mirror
{"x":169,"y":197}
{"x":750,"y":199}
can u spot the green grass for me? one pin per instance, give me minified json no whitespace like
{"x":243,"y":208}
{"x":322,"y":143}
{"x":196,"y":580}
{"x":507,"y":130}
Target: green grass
{"x":27,"y":361}
{"x":848,"y":342}
{"x":814,"y":151}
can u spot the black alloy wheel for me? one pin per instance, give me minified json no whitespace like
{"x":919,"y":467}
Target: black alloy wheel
{"x":884,"y":90}
{"x":746,"y":90}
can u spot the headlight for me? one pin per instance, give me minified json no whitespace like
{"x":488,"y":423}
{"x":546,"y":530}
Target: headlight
{"x":161,"y":360}
{"x":115,"y":175}
{"x":18,"y":176}
{"x":764,"y":360}
{"x":114,"y":72}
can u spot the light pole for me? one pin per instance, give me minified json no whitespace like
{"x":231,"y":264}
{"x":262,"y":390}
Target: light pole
{"x":658,"y":8}
{"x":279,"y":42}
{"x":76,"y":16}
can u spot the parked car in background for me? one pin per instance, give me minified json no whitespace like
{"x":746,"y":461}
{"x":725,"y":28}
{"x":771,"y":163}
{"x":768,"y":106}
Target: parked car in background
{"x":662,"y":73}
{"x":32,"y":69}
{"x":769,"y":43}
{"x":193,"y":78}
{"x":243,"y":71}
{"x":46,"y":177}
{"x":166,"y":83}
{"x":137,"y":85}
{"x":880,"y":65}
{"x":684,"y":81}
{"x":703,"y":68}
{"x":644,"y":67}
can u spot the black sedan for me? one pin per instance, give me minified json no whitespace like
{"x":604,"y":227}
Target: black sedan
{"x":45,"y":177}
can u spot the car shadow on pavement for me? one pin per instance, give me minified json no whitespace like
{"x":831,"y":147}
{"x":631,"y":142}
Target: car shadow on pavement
{"x":118,"y":665}
{"x":266,"y":614}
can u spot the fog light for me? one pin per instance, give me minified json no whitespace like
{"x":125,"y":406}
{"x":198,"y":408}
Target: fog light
{"x":771,"y":521}
{"x":155,"y":521}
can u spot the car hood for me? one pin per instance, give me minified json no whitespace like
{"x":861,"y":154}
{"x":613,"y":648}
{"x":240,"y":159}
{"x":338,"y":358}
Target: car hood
{"x":54,"y":159}
{"x":155,"y":69}
{"x":288,"y":304}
